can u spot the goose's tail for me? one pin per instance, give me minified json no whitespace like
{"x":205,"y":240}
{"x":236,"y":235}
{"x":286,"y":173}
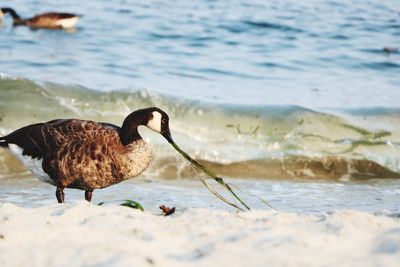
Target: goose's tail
{"x":3,"y":142}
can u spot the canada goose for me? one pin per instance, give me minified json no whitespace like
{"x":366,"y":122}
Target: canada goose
{"x":86,"y":155}
{"x":51,"y":20}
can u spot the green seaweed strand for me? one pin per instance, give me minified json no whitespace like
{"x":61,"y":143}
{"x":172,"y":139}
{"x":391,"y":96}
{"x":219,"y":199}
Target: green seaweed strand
{"x":209,"y":173}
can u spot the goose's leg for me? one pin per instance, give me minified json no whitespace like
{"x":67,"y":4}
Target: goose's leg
{"x":60,"y":194}
{"x":88,"y":195}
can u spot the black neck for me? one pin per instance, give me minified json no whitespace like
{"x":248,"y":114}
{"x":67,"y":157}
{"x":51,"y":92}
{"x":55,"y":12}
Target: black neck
{"x":129,"y":135}
{"x":129,"y":130}
{"x":12,"y":12}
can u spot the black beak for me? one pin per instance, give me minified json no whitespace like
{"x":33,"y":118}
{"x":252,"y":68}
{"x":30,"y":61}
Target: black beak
{"x":167,"y":135}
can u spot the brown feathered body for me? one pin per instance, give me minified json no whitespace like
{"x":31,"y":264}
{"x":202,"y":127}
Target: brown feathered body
{"x":51,"y":20}
{"x":87,"y":155}
{"x":81,"y":154}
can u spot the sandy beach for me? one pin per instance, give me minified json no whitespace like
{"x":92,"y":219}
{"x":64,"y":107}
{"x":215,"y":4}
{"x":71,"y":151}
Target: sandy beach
{"x":83,"y":234}
{"x":296,"y":102}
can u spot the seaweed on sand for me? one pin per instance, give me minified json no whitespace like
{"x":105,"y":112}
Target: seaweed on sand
{"x":132,"y":204}
{"x":128,"y":203}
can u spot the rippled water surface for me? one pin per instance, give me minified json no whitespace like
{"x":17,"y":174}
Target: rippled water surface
{"x":310,"y":53}
{"x":256,"y":89}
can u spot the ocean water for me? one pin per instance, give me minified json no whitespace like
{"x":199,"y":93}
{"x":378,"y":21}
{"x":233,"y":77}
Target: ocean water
{"x":283,"y":94}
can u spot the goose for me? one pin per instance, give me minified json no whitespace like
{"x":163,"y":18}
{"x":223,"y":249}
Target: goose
{"x":86,"y":155}
{"x":51,"y":20}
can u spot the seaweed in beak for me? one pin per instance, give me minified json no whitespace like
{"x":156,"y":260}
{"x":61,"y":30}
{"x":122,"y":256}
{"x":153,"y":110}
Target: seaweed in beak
{"x":167,"y":135}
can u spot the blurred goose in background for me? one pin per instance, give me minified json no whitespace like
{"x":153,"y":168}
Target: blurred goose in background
{"x":50,"y":20}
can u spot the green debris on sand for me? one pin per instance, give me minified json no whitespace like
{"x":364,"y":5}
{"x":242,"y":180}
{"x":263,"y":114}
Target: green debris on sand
{"x":132,"y":204}
{"x":128,"y":203}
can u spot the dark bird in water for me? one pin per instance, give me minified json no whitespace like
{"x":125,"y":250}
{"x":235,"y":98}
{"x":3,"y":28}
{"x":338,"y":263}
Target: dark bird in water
{"x":51,"y":20}
{"x":86,"y":155}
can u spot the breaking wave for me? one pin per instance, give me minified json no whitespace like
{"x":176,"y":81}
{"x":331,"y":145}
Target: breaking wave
{"x":273,"y":142}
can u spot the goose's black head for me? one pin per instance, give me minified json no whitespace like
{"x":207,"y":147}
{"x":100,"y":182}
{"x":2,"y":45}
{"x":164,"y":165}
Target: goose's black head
{"x":158,"y":121}
{"x":154,"y":118}
{"x":5,"y":10}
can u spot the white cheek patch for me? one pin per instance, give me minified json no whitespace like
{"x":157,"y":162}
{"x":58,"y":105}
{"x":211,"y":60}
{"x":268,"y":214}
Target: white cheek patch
{"x":155,"y":122}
